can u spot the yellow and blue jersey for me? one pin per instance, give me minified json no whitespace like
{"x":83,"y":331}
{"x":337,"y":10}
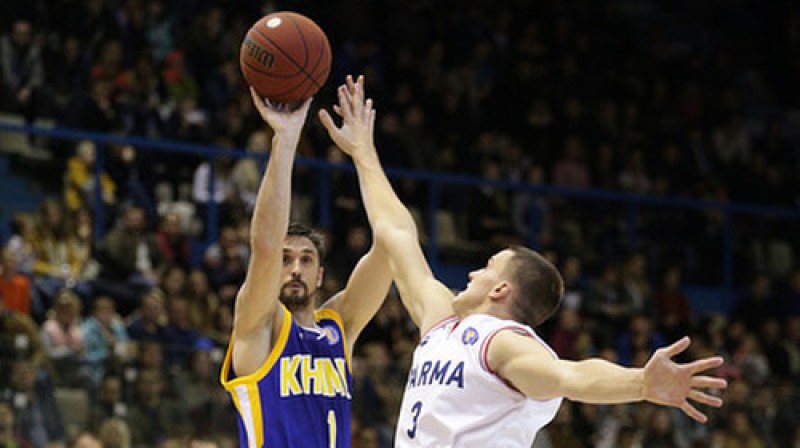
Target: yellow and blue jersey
{"x":300,"y":397}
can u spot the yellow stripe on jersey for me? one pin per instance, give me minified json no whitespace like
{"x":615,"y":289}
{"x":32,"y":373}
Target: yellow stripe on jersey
{"x":255,"y":400}
{"x":276,"y":351}
{"x":247,"y":400}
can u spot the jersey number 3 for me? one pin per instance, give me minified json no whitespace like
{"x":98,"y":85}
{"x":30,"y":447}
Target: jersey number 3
{"x":415,"y":410}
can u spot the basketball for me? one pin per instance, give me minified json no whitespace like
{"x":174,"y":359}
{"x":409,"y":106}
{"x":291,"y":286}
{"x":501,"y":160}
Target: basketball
{"x":285,"y":57}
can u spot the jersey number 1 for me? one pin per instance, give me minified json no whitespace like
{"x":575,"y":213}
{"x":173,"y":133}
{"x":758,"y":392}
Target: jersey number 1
{"x":331,"y":429}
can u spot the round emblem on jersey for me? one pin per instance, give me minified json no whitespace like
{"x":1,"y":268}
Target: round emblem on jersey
{"x":470,"y":336}
{"x":331,"y":333}
{"x":425,"y":340}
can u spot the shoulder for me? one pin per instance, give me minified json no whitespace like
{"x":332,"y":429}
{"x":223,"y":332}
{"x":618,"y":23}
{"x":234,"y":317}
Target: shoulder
{"x":491,"y":327}
{"x":327,"y":317}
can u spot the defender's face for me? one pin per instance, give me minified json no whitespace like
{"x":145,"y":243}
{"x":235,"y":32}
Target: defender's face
{"x":482,"y":282}
{"x":302,"y":273}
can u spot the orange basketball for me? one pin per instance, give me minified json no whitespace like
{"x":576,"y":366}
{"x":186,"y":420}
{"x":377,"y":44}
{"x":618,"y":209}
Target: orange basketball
{"x":286,"y":57}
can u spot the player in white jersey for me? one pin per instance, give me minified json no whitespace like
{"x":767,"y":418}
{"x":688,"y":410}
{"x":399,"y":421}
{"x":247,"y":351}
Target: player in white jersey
{"x":480,"y":376}
{"x":454,"y":399}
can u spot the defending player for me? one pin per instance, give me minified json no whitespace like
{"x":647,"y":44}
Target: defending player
{"x":287,"y":366}
{"x":480,"y":375}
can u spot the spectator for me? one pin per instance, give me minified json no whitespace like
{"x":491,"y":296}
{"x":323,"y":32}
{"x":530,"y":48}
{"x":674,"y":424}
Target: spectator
{"x":490,"y":210}
{"x":220,"y":333}
{"x":158,"y":30}
{"x":109,"y":403}
{"x":130,"y":169}
{"x":110,"y":63}
{"x":65,"y":72}
{"x":571,"y":170}
{"x":224,"y":188}
{"x":209,"y":407}
{"x":178,"y":81}
{"x":203,"y":302}
{"x":150,"y":356}
{"x":79,"y":189}
{"x":131,"y":260}
{"x":23,"y":234}
{"x":639,"y":340}
{"x":732,"y":144}
{"x":95,"y":110}
{"x":575,"y":284}
{"x":740,"y":432}
{"x":749,"y":359}
{"x":356,"y":243}
{"x":530,"y":211}
{"x":114,"y":433}
{"x":180,"y":338}
{"x":607,"y":306}
{"x":82,"y":238}
{"x":634,"y":177}
{"x":38,"y":418}
{"x":154,"y":417}
{"x":173,"y":243}
{"x":637,"y":285}
{"x":140,"y":97}
{"x":8,"y":433}
{"x":86,"y":440}
{"x":19,"y":338}
{"x":63,"y":341}
{"x":147,"y":323}
{"x":564,"y":338}
{"x":106,"y":340}
{"x":777,"y":350}
{"x":225,"y":260}
{"x":661,"y":431}
{"x":672,"y":306}
{"x":15,"y":287}
{"x":57,"y":264}
{"x":246,"y":171}
{"x":22,"y":72}
{"x":173,"y":282}
{"x":758,"y":305}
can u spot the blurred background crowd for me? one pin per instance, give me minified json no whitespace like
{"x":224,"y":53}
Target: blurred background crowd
{"x":121,"y":336}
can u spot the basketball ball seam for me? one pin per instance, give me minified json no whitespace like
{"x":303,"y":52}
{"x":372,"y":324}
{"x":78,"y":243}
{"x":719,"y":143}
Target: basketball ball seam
{"x":316,"y":65}
{"x":309,"y":76}
{"x":305,"y":45}
{"x":278,"y":47}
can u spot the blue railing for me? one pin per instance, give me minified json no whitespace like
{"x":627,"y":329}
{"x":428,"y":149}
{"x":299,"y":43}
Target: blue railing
{"x":435,"y":183}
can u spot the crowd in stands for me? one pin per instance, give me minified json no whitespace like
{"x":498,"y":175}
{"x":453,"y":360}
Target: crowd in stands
{"x":684,"y":99}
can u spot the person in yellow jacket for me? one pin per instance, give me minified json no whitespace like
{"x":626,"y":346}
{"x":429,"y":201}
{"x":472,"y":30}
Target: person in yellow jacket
{"x":80,"y":178}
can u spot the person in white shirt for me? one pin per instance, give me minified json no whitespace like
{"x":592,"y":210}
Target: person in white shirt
{"x":480,"y":375}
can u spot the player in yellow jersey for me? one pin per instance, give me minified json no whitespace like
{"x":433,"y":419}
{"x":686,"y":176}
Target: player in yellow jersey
{"x":287,"y":366}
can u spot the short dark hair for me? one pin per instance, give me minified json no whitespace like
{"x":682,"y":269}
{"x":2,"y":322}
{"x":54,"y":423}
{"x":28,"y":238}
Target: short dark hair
{"x":538,"y":287}
{"x":316,"y":237}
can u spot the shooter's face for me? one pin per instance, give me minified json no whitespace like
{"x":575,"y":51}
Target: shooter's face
{"x":302,"y":273}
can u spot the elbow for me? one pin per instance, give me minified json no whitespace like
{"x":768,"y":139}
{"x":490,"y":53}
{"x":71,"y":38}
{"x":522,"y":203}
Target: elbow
{"x":389,"y":233}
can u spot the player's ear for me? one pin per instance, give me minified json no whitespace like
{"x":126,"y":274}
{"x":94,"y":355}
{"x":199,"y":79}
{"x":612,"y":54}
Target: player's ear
{"x":320,"y":276}
{"x":500,"y":291}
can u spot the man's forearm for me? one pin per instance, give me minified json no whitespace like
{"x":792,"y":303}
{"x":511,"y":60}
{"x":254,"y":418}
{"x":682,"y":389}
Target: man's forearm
{"x":271,"y":211}
{"x":599,"y":381}
{"x":384,"y":209}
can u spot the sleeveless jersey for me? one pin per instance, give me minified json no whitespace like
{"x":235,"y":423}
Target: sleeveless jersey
{"x":300,"y":396}
{"x":452,"y":399}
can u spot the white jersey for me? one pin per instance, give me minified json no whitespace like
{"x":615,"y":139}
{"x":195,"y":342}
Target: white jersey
{"x":452,"y":399}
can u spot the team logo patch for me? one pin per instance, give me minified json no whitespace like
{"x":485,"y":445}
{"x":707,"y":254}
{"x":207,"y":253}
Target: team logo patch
{"x":331,"y":333}
{"x":470,"y":336}
{"x":424,"y":340}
